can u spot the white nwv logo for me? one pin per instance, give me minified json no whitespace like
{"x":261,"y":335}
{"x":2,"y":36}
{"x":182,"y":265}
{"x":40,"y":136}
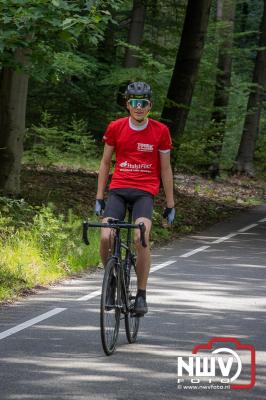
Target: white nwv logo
{"x":207,"y":366}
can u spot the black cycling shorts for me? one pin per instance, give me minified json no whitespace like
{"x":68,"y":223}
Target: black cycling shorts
{"x":118,"y":199}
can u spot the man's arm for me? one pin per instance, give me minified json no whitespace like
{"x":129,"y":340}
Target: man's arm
{"x":104,"y":170}
{"x":167,"y":178}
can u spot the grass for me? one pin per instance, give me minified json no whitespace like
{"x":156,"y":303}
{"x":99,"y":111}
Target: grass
{"x":43,"y":250}
{"x":63,"y":161}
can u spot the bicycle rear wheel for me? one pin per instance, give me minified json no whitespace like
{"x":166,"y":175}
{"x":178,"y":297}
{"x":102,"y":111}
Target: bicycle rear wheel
{"x":131,"y":319}
{"x":110,"y":307}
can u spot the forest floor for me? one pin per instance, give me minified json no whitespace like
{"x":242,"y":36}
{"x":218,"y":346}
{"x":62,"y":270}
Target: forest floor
{"x":199,"y":202}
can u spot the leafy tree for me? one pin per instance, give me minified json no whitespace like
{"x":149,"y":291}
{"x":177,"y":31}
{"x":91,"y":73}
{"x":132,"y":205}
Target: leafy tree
{"x":31,"y":34}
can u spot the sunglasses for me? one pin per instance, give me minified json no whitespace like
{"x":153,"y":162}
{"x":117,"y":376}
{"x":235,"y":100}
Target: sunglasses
{"x":139,"y":103}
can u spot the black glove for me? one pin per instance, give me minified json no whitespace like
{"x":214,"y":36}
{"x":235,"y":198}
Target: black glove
{"x":169,"y":214}
{"x":99,"y":207}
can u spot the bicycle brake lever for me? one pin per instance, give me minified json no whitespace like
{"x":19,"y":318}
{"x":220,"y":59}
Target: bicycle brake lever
{"x":142,"y":228}
{"x":85,"y":233}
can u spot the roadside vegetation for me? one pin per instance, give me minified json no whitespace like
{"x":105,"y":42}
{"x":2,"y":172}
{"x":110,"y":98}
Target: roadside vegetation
{"x":39,"y":246}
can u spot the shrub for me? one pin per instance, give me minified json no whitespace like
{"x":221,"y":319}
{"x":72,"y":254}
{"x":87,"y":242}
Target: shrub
{"x":42,"y":249}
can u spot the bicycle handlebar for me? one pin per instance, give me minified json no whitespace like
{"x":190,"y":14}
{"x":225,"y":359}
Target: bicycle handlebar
{"x":115,"y":225}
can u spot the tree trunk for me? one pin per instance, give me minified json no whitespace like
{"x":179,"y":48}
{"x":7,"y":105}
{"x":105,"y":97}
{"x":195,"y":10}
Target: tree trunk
{"x":225,"y":15}
{"x":176,"y":107}
{"x":13,"y":99}
{"x":135,"y":33}
{"x":245,"y":156}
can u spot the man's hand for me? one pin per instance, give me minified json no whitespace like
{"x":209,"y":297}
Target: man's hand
{"x":99,"y":207}
{"x":169,"y":214}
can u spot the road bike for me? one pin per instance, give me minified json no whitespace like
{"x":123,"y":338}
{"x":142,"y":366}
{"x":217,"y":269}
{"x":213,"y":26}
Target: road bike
{"x":119,"y":287}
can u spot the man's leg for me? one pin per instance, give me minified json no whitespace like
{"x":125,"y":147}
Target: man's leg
{"x":115,"y":208}
{"x":142,"y":212}
{"x":106,"y":242}
{"x":143,"y":254}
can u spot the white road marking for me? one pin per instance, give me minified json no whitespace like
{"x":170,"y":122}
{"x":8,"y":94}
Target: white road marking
{"x":247,"y":228}
{"x":190,"y":253}
{"x":30,"y":322}
{"x":90,"y":295}
{"x":222,"y":239}
{"x":203,"y":237}
{"x":160,"y":266}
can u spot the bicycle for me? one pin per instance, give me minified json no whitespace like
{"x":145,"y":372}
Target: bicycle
{"x":119,"y":285}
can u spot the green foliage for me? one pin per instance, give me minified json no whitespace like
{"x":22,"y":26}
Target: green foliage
{"x":69,"y":64}
{"x":14,"y":213}
{"x":41,"y":250}
{"x":47,"y":27}
{"x":90,"y":91}
{"x":48,"y":143}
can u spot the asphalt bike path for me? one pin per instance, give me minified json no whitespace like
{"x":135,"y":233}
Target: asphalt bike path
{"x":203,"y":286}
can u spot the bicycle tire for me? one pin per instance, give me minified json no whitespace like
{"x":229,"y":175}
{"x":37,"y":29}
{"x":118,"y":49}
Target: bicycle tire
{"x":132,"y":321}
{"x":110,"y":314}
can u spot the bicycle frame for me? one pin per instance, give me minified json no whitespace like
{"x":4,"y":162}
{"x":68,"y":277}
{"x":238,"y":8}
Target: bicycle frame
{"x":124,"y":270}
{"x":118,"y":243}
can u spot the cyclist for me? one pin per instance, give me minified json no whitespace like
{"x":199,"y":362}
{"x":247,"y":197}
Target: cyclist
{"x":142,"y":147}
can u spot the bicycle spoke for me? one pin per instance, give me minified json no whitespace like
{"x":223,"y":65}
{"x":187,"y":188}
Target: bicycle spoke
{"x":110,"y":308}
{"x":131,"y":319}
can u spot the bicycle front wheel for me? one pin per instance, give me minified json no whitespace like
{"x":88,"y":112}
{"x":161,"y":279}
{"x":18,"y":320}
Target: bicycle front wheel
{"x":131,"y":319}
{"x":110,"y":307}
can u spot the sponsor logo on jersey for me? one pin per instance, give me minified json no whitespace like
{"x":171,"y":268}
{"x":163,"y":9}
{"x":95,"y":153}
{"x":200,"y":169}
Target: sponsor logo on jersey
{"x":126,"y":166}
{"x":145,"y":147}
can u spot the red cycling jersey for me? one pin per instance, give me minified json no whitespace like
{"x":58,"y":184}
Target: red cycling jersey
{"x":137,"y":154}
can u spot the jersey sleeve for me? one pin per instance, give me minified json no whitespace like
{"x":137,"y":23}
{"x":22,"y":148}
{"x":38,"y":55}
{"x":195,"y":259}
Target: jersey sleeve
{"x":165,"y":144}
{"x":109,"y":135}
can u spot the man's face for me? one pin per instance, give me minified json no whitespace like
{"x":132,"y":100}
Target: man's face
{"x":138,"y":108}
